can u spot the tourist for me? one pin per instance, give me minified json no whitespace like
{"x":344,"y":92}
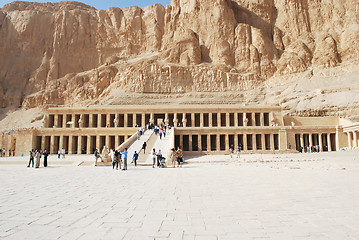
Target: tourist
{"x":179,"y":155}
{"x":144,"y":145}
{"x":63,"y":152}
{"x":45,"y":157}
{"x":9,"y":153}
{"x":138,"y":135}
{"x":3,"y":152}
{"x":238,"y":151}
{"x":13,"y":152}
{"x":116,"y":160}
{"x":160,"y":134}
{"x":124,"y":153}
{"x":159,"y":157}
{"x":134,"y":158}
{"x":164,"y":133}
{"x":153,"y":155}
{"x":37,"y":159}
{"x":97,"y":156}
{"x":231,"y":152}
{"x":173,"y":157}
{"x":58,"y":153}
{"x":112,"y":155}
{"x":31,"y":158}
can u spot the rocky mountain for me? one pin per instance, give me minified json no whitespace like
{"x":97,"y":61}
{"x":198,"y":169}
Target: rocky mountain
{"x":250,"y":51}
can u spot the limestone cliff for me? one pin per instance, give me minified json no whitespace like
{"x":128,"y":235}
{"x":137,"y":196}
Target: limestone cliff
{"x":70,"y":53}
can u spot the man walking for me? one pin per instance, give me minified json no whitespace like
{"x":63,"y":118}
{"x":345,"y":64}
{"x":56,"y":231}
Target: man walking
{"x":124,"y":153}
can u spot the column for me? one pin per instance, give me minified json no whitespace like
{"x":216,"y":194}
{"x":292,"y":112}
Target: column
{"x":235,"y":141}
{"x":97,"y":144}
{"x":329,"y":141}
{"x":43,"y":138}
{"x":108,"y":120}
{"x":302,"y":141}
{"x":184,"y":120}
{"x":201,"y":120}
{"x":245,"y":144}
{"x":209,"y":142}
{"x":245,"y":120}
{"x":125,"y":120}
{"x":175,"y":120}
{"x":152,"y":118}
{"x":320,"y":142}
{"x":355,"y":139}
{"x":227,"y":142}
{"x":263,"y":138}
{"x":166,"y":119}
{"x":310,"y":140}
{"x":143,"y":120}
{"x":64,"y":120}
{"x":283,"y":140}
{"x":254,"y":119}
{"x":272,"y":145}
{"x":349,"y":140}
{"x":70,"y":144}
{"x":236,"y":120}
{"x":210,"y":120}
{"x":190,"y":141}
{"x":73,"y":120}
{"x":52,"y":144}
{"x":193,"y":122}
{"x":79,"y":144}
{"x":88,"y":145}
{"x":90,"y":120}
{"x":219,"y":120}
{"x":134,"y":119}
{"x":218,"y":143}
{"x":56,"y":120}
{"x":116,"y":141}
{"x":99,"y":123}
{"x":199,"y":142}
{"x":227,"y":120}
{"x":61,"y":142}
{"x":262,"y":118}
{"x":181,"y":141}
{"x":107,"y":143}
{"x":254,"y":141}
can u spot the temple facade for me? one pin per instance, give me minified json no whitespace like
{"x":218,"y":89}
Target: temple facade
{"x":206,"y":129}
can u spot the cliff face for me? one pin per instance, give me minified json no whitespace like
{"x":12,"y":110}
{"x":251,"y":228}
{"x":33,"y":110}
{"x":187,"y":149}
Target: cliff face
{"x":68,"y":52}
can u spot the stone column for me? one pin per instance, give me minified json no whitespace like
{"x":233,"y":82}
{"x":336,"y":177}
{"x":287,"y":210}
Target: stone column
{"x":210,"y":120}
{"x":283,"y":140}
{"x":134,"y":119}
{"x":125,"y":120}
{"x":201,"y":120}
{"x":272,"y":145}
{"x":349,"y":140}
{"x":56,"y":120}
{"x":219,"y":120}
{"x":64,"y":120}
{"x":235,"y":141}
{"x":254,"y":141}
{"x":227,"y":120}
{"x":263,"y":138}
{"x":218,"y":142}
{"x":117,"y":141}
{"x":152,"y":118}
{"x":209,"y":143}
{"x":91,"y":121}
{"x":310,"y":141}
{"x":190,"y":141}
{"x":236,"y":120}
{"x":52,"y":144}
{"x":181,"y":141}
{"x":227,"y":142}
{"x":184,"y":120}
{"x":320,"y":142}
{"x":79,"y":144}
{"x":245,"y":143}
{"x":108,"y":120}
{"x":88,"y":145}
{"x":70,"y":150}
{"x":355,"y":139}
{"x":167,"y":120}
{"x":329,"y":141}
{"x":175,"y":120}
{"x":143,"y":120}
{"x":107,"y":141}
{"x":193,"y":122}
{"x":254,"y":119}
{"x":245,"y":120}
{"x":73,"y":120}
{"x":42,"y":142}
{"x":199,"y":142}
{"x":61,"y":141}
{"x":97,"y":144}
{"x":302,"y":141}
{"x":262,"y":118}
{"x":99,"y":122}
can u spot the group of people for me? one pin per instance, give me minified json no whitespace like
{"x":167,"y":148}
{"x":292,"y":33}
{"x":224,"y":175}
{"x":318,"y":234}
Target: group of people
{"x":35,"y":158}
{"x":177,"y":156}
{"x":238,"y":151}
{"x":308,"y":149}
{"x":3,"y":152}
{"x":117,"y":158}
{"x":61,"y":152}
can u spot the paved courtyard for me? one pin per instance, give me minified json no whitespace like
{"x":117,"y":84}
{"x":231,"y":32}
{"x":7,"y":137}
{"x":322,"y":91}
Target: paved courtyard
{"x":291,"y":196}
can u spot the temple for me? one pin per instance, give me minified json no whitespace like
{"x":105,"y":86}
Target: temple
{"x":206,"y":129}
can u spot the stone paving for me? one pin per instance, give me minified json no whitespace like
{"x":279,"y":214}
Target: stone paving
{"x":296,"y":196}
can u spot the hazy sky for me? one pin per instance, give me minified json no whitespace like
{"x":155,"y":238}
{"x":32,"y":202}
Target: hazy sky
{"x":105,"y":4}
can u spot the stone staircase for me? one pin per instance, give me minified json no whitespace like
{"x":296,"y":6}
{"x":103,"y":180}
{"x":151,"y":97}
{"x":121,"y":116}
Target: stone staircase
{"x":164,"y":144}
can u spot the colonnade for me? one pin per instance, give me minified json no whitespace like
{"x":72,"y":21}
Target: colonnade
{"x":325,"y":141}
{"x":353,"y":140}
{"x":185,"y":119}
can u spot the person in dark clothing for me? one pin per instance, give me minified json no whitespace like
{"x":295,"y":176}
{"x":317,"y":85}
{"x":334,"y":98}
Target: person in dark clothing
{"x":45,"y":154}
{"x":31,"y":158}
{"x":144,"y":145}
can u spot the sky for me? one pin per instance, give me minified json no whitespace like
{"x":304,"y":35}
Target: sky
{"x":105,"y":4}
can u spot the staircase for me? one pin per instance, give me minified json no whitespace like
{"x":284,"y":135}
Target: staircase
{"x":164,"y":144}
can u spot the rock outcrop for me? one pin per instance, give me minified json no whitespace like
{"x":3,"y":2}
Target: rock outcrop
{"x":69,"y":53}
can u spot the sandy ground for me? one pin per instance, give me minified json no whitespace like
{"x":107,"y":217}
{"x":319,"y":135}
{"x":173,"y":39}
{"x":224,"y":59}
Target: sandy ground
{"x":290,"y":196}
